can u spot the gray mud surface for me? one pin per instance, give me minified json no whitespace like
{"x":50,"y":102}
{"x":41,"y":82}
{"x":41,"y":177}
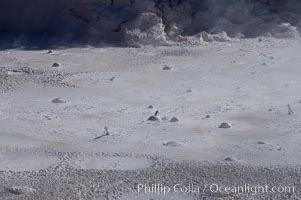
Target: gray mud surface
{"x":50,"y":117}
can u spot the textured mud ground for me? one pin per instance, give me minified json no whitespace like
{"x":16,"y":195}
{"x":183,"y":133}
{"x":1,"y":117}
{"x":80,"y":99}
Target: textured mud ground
{"x":65,"y":182}
{"x":14,"y":77}
{"x":48,"y":150}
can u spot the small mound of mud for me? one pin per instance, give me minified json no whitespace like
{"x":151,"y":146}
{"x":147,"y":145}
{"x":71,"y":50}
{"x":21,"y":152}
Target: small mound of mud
{"x":207,"y":116}
{"x":174,"y":119}
{"x":261,"y":142}
{"x":230,"y":159}
{"x":225,"y":125}
{"x":56,"y":64}
{"x":150,"y":107}
{"x":154,"y":118}
{"x":167,"y":68}
{"x":172,"y":144}
{"x":58,"y":101}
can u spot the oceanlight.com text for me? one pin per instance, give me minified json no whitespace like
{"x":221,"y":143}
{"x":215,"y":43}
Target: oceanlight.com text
{"x":214,"y":188}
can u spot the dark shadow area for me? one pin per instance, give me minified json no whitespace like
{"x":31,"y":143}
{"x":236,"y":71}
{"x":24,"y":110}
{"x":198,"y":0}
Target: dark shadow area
{"x":45,"y":24}
{"x":41,"y":24}
{"x":38,"y":41}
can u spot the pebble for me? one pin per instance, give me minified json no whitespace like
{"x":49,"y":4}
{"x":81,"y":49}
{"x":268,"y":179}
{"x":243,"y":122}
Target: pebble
{"x":207,"y":117}
{"x":150,"y":107}
{"x":50,"y":52}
